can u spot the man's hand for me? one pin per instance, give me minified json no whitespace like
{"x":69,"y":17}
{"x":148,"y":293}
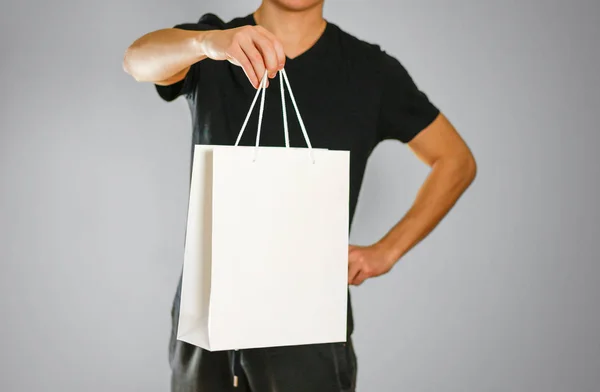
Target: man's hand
{"x":253,"y":48}
{"x":367,"y":262}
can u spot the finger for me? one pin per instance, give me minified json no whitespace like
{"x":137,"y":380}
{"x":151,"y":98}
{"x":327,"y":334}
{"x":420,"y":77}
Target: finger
{"x":267,"y":49}
{"x":276,"y":45}
{"x":254,"y":56}
{"x":280,"y":54}
{"x":359,"y":279}
{"x":242,"y":60}
{"x":353,"y":271}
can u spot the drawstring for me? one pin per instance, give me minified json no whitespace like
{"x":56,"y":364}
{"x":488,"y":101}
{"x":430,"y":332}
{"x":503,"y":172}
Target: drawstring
{"x":236,"y":367}
{"x":261,"y":91}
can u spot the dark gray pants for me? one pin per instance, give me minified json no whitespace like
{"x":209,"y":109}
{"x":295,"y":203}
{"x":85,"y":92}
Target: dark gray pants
{"x":327,"y":367}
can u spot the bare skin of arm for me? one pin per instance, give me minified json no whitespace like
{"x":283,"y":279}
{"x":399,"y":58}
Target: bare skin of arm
{"x":453,"y":169}
{"x":165,"y":56}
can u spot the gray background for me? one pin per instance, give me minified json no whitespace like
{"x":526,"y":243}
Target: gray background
{"x":93,"y":169}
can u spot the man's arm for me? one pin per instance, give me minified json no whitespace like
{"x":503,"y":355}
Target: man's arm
{"x":453,"y":169}
{"x":165,"y":56}
{"x":175,"y":78}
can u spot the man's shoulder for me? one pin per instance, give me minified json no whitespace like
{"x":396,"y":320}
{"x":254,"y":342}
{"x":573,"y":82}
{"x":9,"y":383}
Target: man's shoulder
{"x":217,"y":22}
{"x":350,"y":40}
{"x":240,"y":21}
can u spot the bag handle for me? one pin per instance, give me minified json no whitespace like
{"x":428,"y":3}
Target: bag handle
{"x":261,"y":89}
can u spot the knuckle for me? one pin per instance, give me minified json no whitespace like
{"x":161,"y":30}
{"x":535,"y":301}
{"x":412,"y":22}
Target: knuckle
{"x":237,"y":40}
{"x":241,"y":33}
{"x":231,"y":50}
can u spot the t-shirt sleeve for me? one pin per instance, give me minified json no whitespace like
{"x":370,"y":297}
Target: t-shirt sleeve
{"x":405,"y":110}
{"x":188,"y":84}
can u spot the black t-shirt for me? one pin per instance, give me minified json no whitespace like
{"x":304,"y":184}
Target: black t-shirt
{"x":350,"y":94}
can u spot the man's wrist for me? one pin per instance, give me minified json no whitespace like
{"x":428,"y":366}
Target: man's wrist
{"x":389,"y":250}
{"x":200,"y":41}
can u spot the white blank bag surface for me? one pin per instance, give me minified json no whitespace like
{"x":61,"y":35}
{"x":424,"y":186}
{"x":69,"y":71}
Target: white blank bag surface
{"x":266,"y":256}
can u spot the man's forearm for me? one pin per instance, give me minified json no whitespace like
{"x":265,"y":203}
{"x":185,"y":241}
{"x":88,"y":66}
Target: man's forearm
{"x":446,"y":182}
{"x":161,"y":54}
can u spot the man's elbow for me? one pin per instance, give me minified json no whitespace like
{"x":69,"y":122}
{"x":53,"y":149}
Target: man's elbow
{"x":468,"y":167}
{"x":129,"y":65}
{"x":461,"y":166}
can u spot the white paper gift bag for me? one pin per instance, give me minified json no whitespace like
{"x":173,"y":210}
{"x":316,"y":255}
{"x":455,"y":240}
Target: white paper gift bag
{"x":266,"y":255}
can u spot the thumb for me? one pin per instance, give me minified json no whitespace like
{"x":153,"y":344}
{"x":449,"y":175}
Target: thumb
{"x":353,"y":254}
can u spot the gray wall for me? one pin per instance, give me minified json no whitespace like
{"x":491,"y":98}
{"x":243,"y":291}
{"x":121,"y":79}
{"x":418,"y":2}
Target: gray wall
{"x":93,"y":170}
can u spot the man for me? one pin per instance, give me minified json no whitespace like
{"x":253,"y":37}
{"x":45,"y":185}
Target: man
{"x":352,"y":95}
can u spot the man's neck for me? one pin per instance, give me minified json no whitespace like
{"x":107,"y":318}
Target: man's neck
{"x":297,"y":30}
